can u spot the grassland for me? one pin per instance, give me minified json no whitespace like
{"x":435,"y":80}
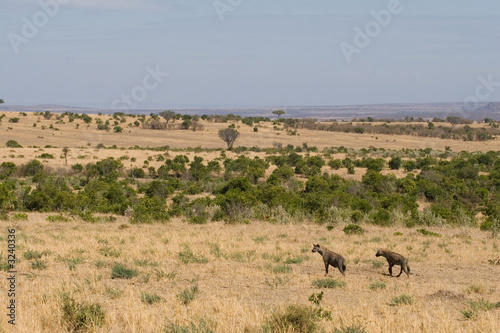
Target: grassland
{"x":239,"y":271}
{"x":179,"y":277}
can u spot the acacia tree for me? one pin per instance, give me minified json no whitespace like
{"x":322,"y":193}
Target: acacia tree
{"x":1,"y":101}
{"x":168,"y":115}
{"x":279,"y":113}
{"x":229,"y":135}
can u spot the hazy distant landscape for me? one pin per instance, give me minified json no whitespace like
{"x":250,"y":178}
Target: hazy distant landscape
{"x":384,"y":111}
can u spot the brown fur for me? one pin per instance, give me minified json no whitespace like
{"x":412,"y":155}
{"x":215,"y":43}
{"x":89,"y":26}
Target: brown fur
{"x":394,"y":258}
{"x":330,"y":258}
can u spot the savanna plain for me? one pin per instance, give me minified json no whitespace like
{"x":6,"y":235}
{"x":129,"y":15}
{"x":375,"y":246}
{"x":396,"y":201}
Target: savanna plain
{"x":222,"y":253}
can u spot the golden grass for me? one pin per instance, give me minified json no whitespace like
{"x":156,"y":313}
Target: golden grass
{"x":238,"y":289}
{"x":87,"y":136}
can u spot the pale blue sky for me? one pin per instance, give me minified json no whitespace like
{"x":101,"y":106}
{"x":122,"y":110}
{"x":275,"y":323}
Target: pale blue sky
{"x":264,"y":53}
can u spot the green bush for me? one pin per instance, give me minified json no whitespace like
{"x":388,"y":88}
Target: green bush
{"x":150,"y":298}
{"x":203,"y":326}
{"x":28,"y":255}
{"x":403,"y":299}
{"x":295,"y":318}
{"x":31,"y":168}
{"x":187,"y":256}
{"x":121,"y":272}
{"x":353,"y":229}
{"x":13,"y":144}
{"x":80,"y":317}
{"x":328,"y":283}
{"x":426,"y":232}
{"x":377,"y":285}
{"x":20,"y":217}
{"x":57,"y":218}
{"x":188,"y":295}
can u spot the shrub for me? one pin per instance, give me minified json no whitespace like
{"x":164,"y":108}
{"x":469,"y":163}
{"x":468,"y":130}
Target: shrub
{"x":353,"y":229}
{"x":149,"y":210}
{"x":13,"y":144}
{"x":57,"y":218}
{"x":45,"y":156}
{"x":150,"y":298}
{"x":354,"y":328}
{"x":121,"y":272}
{"x":38,"y":264}
{"x":395,"y":163}
{"x":81,"y":316}
{"x":31,"y":168}
{"x":20,"y":217}
{"x":188,"y":295}
{"x":187,"y":256}
{"x":203,"y":326}
{"x":403,"y":299}
{"x":295,"y":318}
{"x":377,"y":285}
{"x":328,"y":283}
{"x":426,"y":232}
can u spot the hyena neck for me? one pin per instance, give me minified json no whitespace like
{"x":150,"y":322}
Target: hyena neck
{"x":321,"y":251}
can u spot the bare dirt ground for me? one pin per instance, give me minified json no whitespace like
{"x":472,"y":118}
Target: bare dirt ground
{"x":243,"y":280}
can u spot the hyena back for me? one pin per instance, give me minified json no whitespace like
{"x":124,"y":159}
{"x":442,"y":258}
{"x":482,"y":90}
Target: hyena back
{"x":394,"y":258}
{"x":330,"y":258}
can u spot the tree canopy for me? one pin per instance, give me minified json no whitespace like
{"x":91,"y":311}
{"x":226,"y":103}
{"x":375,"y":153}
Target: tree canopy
{"x":229,"y":135}
{"x":279,"y":113}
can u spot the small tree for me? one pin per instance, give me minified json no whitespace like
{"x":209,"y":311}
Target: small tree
{"x":1,"y":101}
{"x":168,"y":115}
{"x":65,"y":151}
{"x":279,"y":113}
{"x":229,"y":135}
{"x":395,"y":163}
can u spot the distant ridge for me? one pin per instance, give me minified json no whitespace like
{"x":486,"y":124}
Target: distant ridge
{"x":377,"y":111}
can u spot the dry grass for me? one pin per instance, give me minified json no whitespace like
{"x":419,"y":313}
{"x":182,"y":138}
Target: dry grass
{"x":239,"y":287}
{"x":87,"y":136}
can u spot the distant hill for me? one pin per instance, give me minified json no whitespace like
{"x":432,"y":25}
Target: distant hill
{"x":392,"y":111}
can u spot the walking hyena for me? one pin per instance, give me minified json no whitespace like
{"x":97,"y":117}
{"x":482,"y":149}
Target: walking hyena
{"x":394,"y":258}
{"x":330,"y":258}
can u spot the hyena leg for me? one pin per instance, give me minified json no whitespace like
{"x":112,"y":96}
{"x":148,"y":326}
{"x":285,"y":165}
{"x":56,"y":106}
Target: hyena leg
{"x":326,"y":268}
{"x":406,"y":269}
{"x":401,"y":271}
{"x":341,"y":265}
{"x":390,"y":269}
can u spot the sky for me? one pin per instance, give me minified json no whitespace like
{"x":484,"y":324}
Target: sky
{"x":166,"y":54}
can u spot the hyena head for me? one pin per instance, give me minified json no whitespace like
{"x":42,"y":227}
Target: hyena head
{"x":379,"y":253}
{"x":316,"y":248}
